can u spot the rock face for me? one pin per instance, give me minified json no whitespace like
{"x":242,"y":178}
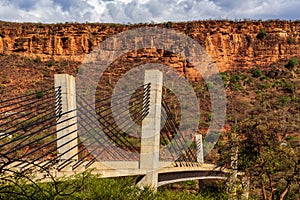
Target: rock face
{"x":243,"y":44}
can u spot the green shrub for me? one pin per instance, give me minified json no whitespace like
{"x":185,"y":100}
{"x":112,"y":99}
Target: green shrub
{"x":257,"y":73}
{"x":236,"y":87}
{"x":293,"y":62}
{"x":284,"y":100}
{"x":288,"y":138}
{"x":39,"y":94}
{"x":169,"y":24}
{"x":264,"y":78}
{"x":262,"y":33}
{"x":88,"y":186}
{"x":50,"y":63}
{"x":235,"y":78}
{"x":240,"y":26}
{"x":225,"y":76}
{"x":289,"y":87}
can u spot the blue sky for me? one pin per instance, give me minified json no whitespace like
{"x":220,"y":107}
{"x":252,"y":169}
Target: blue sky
{"x":135,"y":11}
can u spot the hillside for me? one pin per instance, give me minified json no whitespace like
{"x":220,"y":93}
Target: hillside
{"x":33,"y":53}
{"x":263,"y":91}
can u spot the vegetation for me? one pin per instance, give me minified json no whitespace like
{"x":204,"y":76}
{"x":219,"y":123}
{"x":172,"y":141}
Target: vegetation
{"x":50,"y":63}
{"x":264,"y":134}
{"x":262,"y":34}
{"x":39,"y":94}
{"x":88,"y":186}
{"x":293,"y":62}
{"x":263,"y":120}
{"x":169,"y":24}
{"x":257,"y":73}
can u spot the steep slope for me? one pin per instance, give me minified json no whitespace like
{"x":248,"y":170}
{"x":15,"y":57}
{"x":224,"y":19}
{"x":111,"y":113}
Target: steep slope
{"x":230,"y":44}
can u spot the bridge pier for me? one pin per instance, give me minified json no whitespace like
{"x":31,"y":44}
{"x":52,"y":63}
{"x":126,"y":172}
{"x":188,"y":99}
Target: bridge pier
{"x":199,"y":148}
{"x":149,"y":156}
{"x":66,"y":126}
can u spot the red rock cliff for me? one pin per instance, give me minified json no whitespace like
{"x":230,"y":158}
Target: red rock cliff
{"x":230,"y":44}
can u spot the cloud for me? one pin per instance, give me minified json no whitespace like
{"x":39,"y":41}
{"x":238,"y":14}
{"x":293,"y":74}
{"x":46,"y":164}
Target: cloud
{"x":134,"y":11}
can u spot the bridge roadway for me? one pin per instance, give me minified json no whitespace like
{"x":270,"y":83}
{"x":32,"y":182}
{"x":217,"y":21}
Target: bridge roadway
{"x":167,"y":172}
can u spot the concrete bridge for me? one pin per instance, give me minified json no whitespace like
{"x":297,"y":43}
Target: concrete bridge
{"x":151,"y":170}
{"x":167,"y":173}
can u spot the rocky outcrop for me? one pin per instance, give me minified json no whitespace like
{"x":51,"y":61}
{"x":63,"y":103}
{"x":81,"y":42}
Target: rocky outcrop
{"x":243,"y":44}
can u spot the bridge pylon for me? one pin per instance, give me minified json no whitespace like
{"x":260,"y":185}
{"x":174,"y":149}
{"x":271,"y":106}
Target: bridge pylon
{"x":149,"y":155}
{"x":67,"y":143}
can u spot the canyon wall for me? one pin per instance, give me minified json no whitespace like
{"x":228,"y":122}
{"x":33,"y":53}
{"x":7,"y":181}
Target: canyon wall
{"x":242,"y":44}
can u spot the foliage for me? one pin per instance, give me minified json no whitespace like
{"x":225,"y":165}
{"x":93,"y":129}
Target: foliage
{"x":39,"y":94}
{"x":293,"y":62}
{"x":264,"y":131}
{"x":271,"y":163}
{"x":169,"y":24}
{"x":89,"y":186}
{"x":257,"y":73}
{"x":262,"y":34}
{"x":50,"y":63}
{"x":23,"y":184}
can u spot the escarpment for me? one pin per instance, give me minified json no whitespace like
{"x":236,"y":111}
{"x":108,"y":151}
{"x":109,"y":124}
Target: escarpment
{"x":231,"y":45}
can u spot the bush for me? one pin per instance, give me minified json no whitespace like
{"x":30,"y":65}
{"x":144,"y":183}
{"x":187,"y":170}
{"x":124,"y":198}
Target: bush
{"x":293,"y":62}
{"x":235,"y":78}
{"x":240,"y":26}
{"x":257,"y":73}
{"x":169,"y":24}
{"x":39,"y":94}
{"x":284,"y":100}
{"x":89,"y":186}
{"x":262,"y":33}
{"x":50,"y":63}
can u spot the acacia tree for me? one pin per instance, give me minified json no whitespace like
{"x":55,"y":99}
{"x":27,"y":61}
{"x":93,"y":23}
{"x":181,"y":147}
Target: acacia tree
{"x":269,"y":161}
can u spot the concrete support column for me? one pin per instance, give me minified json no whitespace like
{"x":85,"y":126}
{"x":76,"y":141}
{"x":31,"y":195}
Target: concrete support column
{"x":66,"y":143}
{"x":199,"y":147}
{"x":149,"y":156}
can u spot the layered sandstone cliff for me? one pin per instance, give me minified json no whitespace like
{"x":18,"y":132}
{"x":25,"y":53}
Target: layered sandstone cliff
{"x":230,"y":44}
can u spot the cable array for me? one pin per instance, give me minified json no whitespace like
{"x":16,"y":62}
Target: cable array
{"x":28,"y":127}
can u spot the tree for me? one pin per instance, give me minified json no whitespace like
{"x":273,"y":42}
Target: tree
{"x":270,"y":162}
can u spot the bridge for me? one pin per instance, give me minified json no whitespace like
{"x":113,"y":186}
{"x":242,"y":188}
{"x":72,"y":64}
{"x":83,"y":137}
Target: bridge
{"x":60,"y":133}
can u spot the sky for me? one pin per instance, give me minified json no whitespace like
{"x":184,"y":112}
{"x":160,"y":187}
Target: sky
{"x":145,"y":11}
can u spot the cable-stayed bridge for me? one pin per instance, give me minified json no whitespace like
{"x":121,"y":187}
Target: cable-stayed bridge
{"x":60,"y":133}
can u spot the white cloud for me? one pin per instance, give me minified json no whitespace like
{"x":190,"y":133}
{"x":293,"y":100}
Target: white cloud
{"x":134,"y":11}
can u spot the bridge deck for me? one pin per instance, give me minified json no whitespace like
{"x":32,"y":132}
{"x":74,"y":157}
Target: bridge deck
{"x":167,"y":172}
